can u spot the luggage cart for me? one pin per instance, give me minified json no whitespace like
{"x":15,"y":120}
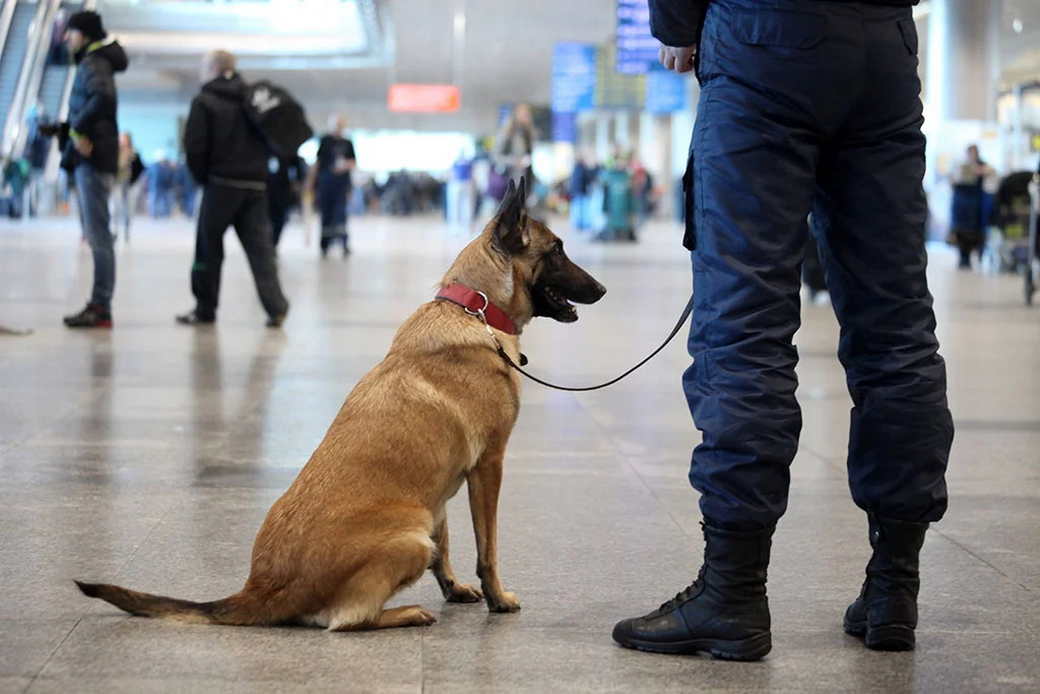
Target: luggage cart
{"x":1031,"y":256}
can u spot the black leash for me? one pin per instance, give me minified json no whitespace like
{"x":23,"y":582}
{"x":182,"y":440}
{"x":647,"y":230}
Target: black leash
{"x":502,"y":353}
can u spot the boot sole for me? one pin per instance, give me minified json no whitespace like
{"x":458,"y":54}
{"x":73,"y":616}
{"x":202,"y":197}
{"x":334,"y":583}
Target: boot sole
{"x":99,"y":324}
{"x":888,"y":637}
{"x":754,"y":648}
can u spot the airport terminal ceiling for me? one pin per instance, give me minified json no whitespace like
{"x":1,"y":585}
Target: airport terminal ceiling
{"x":497,"y":52}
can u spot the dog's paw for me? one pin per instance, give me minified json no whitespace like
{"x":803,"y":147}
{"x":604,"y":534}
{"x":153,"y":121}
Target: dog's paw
{"x":462,"y":592}
{"x":422,"y":618}
{"x":506,"y":602}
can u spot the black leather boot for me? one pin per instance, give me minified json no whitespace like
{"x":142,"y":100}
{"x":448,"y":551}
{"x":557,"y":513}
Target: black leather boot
{"x":724,"y":612}
{"x":885,"y":613}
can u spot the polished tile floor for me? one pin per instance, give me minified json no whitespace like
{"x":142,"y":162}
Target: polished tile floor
{"x":148,"y":456}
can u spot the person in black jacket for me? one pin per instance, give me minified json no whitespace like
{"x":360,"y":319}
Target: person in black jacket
{"x":227,"y":156}
{"x":90,"y":153}
{"x":806,"y":105}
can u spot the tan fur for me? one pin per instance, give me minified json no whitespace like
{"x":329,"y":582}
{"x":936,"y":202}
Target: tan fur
{"x":366,"y":515}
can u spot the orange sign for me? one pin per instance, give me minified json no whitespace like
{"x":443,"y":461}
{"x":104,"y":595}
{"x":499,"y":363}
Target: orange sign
{"x":423,"y":98}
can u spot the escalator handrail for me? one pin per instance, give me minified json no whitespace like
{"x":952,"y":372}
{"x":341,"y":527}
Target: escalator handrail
{"x":39,"y":36}
{"x":6,"y":17}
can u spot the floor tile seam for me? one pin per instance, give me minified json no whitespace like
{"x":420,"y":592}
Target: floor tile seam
{"x":144,"y":541}
{"x":981,"y":559}
{"x":50,"y":656}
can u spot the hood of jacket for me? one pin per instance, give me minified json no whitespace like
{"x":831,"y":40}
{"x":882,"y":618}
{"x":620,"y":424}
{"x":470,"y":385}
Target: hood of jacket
{"x":231,"y":87}
{"x":110,"y":51}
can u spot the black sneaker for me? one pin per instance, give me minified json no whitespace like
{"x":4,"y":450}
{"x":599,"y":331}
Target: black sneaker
{"x":90,"y":317}
{"x":194,"y":318}
{"x":276,"y":321}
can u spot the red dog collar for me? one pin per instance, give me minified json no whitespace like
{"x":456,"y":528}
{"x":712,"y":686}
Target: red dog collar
{"x":477,"y":303}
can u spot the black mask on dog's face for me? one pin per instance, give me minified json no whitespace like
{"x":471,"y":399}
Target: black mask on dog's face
{"x":557,"y":280}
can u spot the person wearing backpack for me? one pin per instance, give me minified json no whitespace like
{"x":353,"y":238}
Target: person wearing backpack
{"x":228,"y":157}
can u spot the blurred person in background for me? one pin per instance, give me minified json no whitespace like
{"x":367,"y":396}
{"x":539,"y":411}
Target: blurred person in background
{"x":285,"y":183}
{"x":124,"y":197}
{"x":159,"y":181}
{"x":619,"y":202}
{"x":90,"y":153}
{"x":58,"y":54}
{"x":37,"y":151}
{"x":227,"y":155}
{"x":642,"y":191}
{"x":970,"y":204}
{"x":514,"y":145}
{"x":481,"y":175}
{"x":583,"y":176}
{"x":14,"y":183}
{"x":459,"y":194}
{"x":330,"y":182}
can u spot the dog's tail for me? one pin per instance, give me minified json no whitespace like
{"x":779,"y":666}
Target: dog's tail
{"x":241,"y":609}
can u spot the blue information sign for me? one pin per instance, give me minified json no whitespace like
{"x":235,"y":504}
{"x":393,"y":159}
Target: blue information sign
{"x":636,"y":47}
{"x":666,"y":92}
{"x":564,"y":127}
{"x":573,"y":77}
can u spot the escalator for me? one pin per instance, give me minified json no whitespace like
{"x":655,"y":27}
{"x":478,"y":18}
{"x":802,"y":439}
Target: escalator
{"x":33,"y":67}
{"x":13,"y":58}
{"x":56,"y":76}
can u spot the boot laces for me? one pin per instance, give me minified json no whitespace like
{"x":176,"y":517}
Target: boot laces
{"x":685,"y":594}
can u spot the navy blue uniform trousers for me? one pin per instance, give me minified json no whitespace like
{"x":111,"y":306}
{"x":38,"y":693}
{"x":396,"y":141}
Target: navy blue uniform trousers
{"x":811,"y":107}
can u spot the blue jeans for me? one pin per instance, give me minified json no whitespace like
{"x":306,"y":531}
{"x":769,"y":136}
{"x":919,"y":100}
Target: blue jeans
{"x":812,"y":106}
{"x":93,"y":189}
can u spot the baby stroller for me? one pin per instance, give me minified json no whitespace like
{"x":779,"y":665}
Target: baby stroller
{"x":1007,"y":248}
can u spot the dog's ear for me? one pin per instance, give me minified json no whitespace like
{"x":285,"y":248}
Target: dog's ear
{"x":511,"y":235}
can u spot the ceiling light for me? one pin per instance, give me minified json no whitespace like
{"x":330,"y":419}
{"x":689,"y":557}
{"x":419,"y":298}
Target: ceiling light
{"x":1016,"y":24}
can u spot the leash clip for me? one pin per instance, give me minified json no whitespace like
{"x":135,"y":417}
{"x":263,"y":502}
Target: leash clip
{"x":480,"y":311}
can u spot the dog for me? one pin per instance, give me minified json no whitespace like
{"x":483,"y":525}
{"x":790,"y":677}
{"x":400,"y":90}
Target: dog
{"x":365,"y":517}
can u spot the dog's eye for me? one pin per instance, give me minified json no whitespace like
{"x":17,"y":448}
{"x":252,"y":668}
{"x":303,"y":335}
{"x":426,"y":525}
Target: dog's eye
{"x":558,"y":247}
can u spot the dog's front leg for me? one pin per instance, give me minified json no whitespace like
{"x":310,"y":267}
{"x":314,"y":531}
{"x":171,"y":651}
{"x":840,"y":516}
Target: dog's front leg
{"x":441,"y":567}
{"x":484,"y":482}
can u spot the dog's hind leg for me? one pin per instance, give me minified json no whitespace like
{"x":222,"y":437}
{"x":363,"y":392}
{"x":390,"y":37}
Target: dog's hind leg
{"x":441,"y":567}
{"x":398,"y":563}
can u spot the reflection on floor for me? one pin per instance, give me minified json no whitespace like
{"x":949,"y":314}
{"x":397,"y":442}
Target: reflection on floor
{"x":148,"y":456}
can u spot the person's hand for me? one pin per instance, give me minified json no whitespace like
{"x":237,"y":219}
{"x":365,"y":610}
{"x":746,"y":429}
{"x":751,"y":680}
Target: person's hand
{"x":83,"y":145}
{"x":678,"y":59}
{"x":341,"y":166}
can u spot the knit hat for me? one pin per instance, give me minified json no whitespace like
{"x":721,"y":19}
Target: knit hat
{"x":89,"y":24}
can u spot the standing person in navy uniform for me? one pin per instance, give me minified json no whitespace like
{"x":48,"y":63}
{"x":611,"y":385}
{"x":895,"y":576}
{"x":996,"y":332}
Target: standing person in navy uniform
{"x":331,"y":183}
{"x":806,"y":106}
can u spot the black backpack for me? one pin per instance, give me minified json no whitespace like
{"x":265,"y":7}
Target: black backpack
{"x":278,"y":117}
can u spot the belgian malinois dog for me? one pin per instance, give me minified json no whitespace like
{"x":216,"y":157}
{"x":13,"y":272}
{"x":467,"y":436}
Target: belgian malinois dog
{"x":366,"y":517}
